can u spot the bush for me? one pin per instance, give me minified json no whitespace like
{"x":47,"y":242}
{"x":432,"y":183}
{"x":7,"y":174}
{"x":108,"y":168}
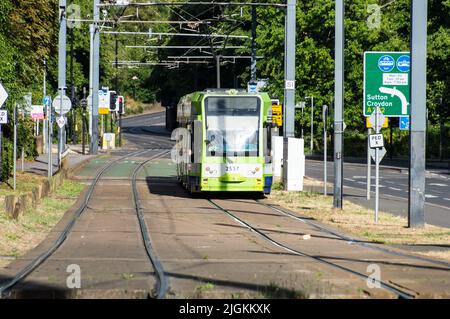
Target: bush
{"x":7,"y":159}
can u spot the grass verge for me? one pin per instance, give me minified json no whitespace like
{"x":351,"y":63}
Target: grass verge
{"x":25,"y":182}
{"x":19,"y":236}
{"x":358,"y":222}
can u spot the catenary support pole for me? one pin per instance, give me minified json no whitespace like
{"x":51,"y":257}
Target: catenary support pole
{"x":338,"y":104}
{"x":73,"y":118}
{"x":253,"y":59}
{"x":218,"y":71}
{"x":62,"y":67}
{"x":416,"y":203}
{"x":289,"y":84}
{"x":95,"y":34}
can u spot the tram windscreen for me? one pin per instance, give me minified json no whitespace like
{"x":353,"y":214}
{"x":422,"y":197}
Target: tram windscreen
{"x":232,"y":126}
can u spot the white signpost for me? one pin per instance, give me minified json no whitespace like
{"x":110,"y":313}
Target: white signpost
{"x":3,"y":120}
{"x":376,"y":144}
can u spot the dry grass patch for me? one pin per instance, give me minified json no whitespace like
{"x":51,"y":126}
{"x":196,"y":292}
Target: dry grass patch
{"x":19,"y":236}
{"x":359,"y":222}
{"x":25,"y":182}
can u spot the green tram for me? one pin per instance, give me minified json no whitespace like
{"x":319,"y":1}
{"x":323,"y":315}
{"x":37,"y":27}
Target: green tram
{"x":223,"y":142}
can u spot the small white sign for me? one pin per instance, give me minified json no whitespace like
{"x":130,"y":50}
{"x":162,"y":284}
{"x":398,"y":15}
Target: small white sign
{"x":289,"y":85}
{"x":63,"y":108}
{"x":3,"y":117}
{"x":103,"y":99}
{"x":3,"y":95}
{"x":61,"y":120}
{"x":377,"y":125}
{"x":37,"y":112}
{"x":376,"y":141}
{"x":381,"y":154}
{"x":395,"y":79}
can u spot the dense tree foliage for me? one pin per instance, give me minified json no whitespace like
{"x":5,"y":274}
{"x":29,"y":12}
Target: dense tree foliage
{"x":27,"y":37}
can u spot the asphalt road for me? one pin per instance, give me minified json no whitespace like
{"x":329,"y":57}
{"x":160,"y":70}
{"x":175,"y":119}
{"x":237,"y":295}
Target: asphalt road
{"x":393,"y":189}
{"x":138,"y":129}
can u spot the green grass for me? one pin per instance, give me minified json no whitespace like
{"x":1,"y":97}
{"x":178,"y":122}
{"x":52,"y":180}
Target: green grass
{"x":127,"y":276}
{"x":25,"y":182}
{"x":70,"y":189}
{"x":205,"y":287}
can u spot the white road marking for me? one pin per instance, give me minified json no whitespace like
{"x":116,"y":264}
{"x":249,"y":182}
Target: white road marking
{"x":395,"y":189}
{"x":438,"y":185}
{"x":447,"y":199}
{"x":430,"y":196}
{"x":349,"y":179}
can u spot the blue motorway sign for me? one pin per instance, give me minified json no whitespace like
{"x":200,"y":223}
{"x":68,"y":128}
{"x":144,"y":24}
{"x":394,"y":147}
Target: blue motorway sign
{"x":404,"y":123}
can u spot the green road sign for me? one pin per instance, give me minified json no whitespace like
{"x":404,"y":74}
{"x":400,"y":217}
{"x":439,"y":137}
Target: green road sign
{"x":387,"y":83}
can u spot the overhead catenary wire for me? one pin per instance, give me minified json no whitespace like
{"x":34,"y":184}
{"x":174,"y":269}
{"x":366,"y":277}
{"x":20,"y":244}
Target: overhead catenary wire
{"x":160,"y":34}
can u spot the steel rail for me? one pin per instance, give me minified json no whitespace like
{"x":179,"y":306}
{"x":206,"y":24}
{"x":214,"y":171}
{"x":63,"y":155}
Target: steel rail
{"x":162,"y":286}
{"x":24,"y":272}
{"x":267,"y":238}
{"x":352,"y":240}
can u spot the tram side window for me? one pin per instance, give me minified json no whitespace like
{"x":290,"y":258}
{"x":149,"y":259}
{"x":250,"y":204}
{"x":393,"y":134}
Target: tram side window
{"x":232,"y":126}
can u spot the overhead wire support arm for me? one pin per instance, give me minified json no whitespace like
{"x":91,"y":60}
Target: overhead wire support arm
{"x":182,"y":3}
{"x":138,"y":21}
{"x":212,"y":57}
{"x":160,"y":34}
{"x":181,"y":47}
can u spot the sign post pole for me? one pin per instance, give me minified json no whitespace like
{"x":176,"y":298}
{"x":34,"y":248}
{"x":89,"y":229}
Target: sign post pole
{"x":15,"y":147}
{"x":377,"y":166}
{"x":369,"y":165}
{"x":4,"y":118}
{"x":50,"y":140}
{"x":45,"y":121}
{"x":324,"y":114}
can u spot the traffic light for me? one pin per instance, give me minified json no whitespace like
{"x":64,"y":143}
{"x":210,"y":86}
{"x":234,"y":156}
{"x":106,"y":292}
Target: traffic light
{"x":120,"y":104}
{"x":112,"y":101}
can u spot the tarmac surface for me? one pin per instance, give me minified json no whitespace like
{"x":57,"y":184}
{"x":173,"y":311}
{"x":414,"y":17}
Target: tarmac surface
{"x":393,"y":189}
{"x":209,"y":247}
